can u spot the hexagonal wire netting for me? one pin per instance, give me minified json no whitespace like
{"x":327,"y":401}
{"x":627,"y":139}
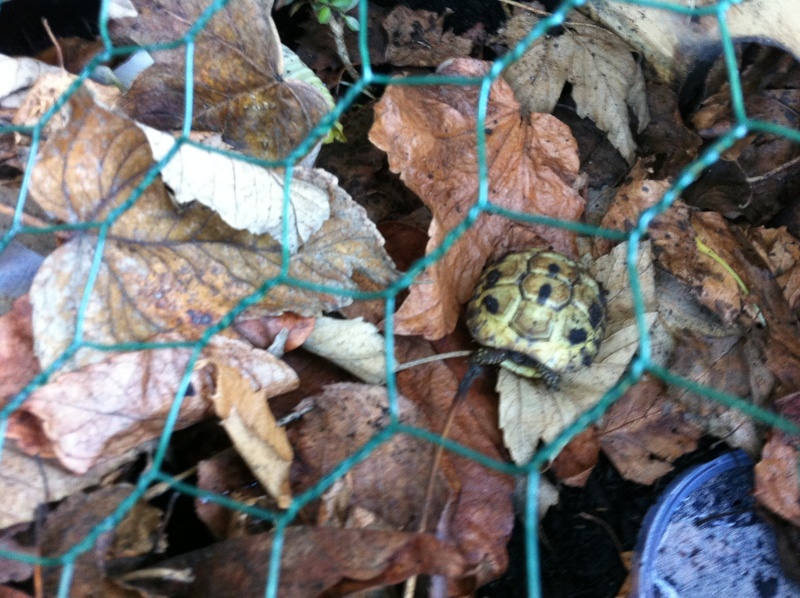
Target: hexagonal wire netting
{"x":642,"y":362}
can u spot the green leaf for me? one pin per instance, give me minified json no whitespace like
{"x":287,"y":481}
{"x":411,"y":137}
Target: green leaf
{"x":351,"y":22}
{"x":324,"y":15}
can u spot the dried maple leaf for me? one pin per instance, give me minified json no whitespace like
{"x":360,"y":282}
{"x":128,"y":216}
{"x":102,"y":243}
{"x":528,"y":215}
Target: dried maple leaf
{"x":239,"y":84}
{"x":605,"y":78}
{"x":164,"y":270}
{"x":530,"y":412}
{"x":429,"y":135}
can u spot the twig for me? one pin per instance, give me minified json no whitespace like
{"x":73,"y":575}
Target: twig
{"x":55,"y":43}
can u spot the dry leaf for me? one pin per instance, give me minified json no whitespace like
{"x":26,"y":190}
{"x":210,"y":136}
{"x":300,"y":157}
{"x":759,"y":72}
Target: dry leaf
{"x":263,"y":332}
{"x":429,"y":135}
{"x":255,"y":434}
{"x":315,"y":561}
{"x":781,"y":251}
{"x":354,"y":345}
{"x":164,"y":270}
{"x":108,"y":408}
{"x":638,"y":193}
{"x":575,"y":462}
{"x":43,"y":95}
{"x":18,"y":364}
{"x":606,"y":80}
{"x":777,"y":483}
{"x":643,"y":432}
{"x":226,"y":473}
{"x":482,"y":517}
{"x":674,"y":44}
{"x":530,"y":412}
{"x":246,"y":196}
{"x":16,"y":74}
{"x":74,"y":518}
{"x":681,"y":239}
{"x":27,"y":482}
{"x":240,"y":87}
{"x":417,"y":38}
{"x":391,"y":482}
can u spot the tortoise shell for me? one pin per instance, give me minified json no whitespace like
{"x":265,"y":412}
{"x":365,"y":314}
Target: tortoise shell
{"x":539,"y":312}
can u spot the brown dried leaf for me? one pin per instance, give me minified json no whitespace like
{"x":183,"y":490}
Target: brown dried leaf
{"x":255,"y":434}
{"x":262,"y":332}
{"x":75,"y":51}
{"x":226,"y":473}
{"x":777,"y":483}
{"x":781,"y":251}
{"x":606,"y":80}
{"x":83,"y":418}
{"x":530,"y":412}
{"x":391,"y":482}
{"x":482,"y":517}
{"x":638,"y":193}
{"x":429,"y":135}
{"x":576,"y":461}
{"x":729,"y":364}
{"x":26,"y":482}
{"x":417,"y":38}
{"x":643,"y":433}
{"x":315,"y":561}
{"x":165,"y":271}
{"x":18,"y":364}
{"x":239,"y":84}
{"x":136,"y":535}
{"x":681,"y":240}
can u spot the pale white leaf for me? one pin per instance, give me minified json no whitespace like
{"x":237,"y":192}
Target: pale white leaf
{"x":17,"y":74}
{"x":355,"y":345}
{"x":605,"y":78}
{"x":246,"y":196}
{"x":530,"y":412}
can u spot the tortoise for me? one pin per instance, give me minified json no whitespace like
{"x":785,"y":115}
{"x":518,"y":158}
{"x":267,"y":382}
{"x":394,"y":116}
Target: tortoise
{"x":537,"y":313}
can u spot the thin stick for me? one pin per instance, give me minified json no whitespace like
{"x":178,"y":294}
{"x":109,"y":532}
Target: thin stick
{"x":27,"y":219}
{"x":463,"y":388}
{"x":55,"y":43}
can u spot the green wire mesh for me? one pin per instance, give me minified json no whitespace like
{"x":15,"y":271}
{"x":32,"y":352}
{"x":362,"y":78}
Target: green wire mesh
{"x":642,"y":362}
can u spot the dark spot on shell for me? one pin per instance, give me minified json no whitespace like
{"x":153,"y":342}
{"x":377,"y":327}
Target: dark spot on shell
{"x":544,"y":293}
{"x":553,"y":268}
{"x":491,"y":304}
{"x":587,"y":360}
{"x":577,"y":336}
{"x":491,"y":278}
{"x":595,"y":314}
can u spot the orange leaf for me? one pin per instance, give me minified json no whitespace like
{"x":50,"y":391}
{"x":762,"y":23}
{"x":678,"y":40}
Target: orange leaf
{"x":429,"y":134}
